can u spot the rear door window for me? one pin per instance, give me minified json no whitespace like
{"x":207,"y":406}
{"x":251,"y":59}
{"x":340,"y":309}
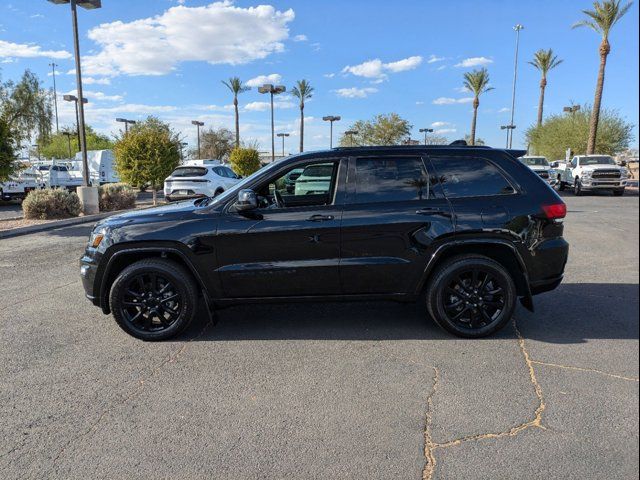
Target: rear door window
{"x":394,"y":179}
{"x":470,"y":177}
{"x":189,"y":172}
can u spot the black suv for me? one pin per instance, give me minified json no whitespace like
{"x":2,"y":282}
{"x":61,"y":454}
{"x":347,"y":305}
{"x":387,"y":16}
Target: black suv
{"x":469,"y":228}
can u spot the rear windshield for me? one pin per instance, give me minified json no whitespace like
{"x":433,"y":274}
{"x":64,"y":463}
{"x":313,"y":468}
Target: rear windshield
{"x":535,"y":161}
{"x":597,"y":161}
{"x":189,"y":172}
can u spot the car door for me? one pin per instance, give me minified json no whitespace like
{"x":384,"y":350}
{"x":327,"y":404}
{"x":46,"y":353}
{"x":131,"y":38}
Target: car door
{"x":393,"y":220}
{"x":290,"y":250}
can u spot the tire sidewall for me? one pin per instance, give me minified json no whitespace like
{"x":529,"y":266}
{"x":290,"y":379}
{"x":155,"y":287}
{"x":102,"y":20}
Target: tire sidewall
{"x":176,"y":276}
{"x":450,"y":271}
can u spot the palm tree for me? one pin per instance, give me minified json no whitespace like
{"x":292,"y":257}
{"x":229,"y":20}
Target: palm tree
{"x":477,"y":82}
{"x":601,"y":19}
{"x":544,"y":60}
{"x":235,"y":85}
{"x":302,"y":91}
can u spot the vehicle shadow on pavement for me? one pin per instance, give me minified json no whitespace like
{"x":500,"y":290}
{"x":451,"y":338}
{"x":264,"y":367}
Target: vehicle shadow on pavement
{"x":574,"y":313}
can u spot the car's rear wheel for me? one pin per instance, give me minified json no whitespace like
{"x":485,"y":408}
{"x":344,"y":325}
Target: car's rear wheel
{"x":154,"y":299}
{"x":560,"y":185}
{"x":471,"y":296}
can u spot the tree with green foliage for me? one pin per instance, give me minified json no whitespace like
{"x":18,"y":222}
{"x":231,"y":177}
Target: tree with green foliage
{"x":387,"y":129}
{"x":58,"y":144}
{"x":215,"y":143}
{"x":7,"y":151}
{"x":477,"y":140}
{"x":562,"y":131}
{"x":244,"y":161}
{"x":544,"y":61}
{"x":601,"y":20}
{"x":235,"y":85}
{"x":147,"y":154}
{"x":26,"y":107}
{"x":476,"y":81}
{"x":302,"y":91}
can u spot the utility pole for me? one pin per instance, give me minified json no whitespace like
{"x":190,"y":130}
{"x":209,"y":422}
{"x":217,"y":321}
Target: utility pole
{"x":53,"y":66}
{"x":350,"y":134}
{"x":517,"y":28}
{"x":283,"y":135}
{"x":425,"y":131}
{"x":331,"y":119}
{"x":198,"y":125}
{"x":272,"y":90}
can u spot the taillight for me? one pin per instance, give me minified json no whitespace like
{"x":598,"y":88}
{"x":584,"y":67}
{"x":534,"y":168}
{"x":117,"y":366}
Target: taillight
{"x":555,"y":211}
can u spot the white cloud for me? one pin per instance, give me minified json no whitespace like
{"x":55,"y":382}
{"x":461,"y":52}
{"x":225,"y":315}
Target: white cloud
{"x":434,"y":59}
{"x":419,"y":102}
{"x":375,"y":69}
{"x":329,"y":75}
{"x":440,"y":124}
{"x":260,"y":80}
{"x":29,"y":50}
{"x":474,"y":62}
{"x":355,"y":92}
{"x":451,"y":101}
{"x":262,"y":106}
{"x":462,"y":90}
{"x":93,"y":96}
{"x":36,"y":15}
{"x":96,"y":81}
{"x":444,"y":131}
{"x":506,"y":109}
{"x":218,"y":33}
{"x":300,"y":38}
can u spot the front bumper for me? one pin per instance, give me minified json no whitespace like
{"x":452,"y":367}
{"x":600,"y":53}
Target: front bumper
{"x":88,"y":269}
{"x":602,"y":183}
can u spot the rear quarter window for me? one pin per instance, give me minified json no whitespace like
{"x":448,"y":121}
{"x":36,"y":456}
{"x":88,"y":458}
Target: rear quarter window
{"x":470,"y":177}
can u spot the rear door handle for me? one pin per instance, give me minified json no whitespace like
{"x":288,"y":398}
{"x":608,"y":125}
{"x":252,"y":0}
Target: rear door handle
{"x":433,"y":211}
{"x":319,"y":218}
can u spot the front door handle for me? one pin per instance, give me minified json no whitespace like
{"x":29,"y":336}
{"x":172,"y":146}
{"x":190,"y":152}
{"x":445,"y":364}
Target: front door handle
{"x":433,"y":211}
{"x":319,"y":218}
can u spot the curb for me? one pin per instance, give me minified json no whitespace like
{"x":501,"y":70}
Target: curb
{"x":15,"y":232}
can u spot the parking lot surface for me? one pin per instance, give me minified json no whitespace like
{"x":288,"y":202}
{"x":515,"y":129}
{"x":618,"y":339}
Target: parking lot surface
{"x":326,"y":390}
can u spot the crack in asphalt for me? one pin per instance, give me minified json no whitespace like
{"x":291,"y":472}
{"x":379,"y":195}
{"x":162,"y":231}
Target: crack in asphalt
{"x":40,"y":295}
{"x":536,"y":422}
{"x":587,"y":370}
{"x":93,"y":427}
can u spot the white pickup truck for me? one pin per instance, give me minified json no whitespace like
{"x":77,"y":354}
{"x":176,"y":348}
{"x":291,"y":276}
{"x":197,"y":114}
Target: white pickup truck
{"x":591,"y":172}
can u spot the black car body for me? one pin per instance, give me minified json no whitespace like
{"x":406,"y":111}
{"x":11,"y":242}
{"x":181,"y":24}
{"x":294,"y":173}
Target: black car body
{"x":394,"y":223}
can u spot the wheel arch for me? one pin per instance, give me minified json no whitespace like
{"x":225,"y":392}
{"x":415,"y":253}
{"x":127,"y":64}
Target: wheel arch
{"x":126,"y":256}
{"x":498,"y":250}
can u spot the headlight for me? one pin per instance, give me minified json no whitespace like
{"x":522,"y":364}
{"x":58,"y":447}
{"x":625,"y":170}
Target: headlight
{"x":624,"y":173}
{"x":97,"y":236}
{"x":553,"y":173}
{"x":587,"y":173}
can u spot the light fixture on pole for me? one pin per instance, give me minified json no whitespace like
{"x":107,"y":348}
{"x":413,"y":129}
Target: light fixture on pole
{"x":350,"y":134}
{"x":126,"y":123}
{"x":53,"y":66}
{"x":68,"y":135}
{"x":74,"y":99}
{"x":517,"y":28}
{"x":272,"y":90}
{"x":283,"y":135}
{"x":331,"y":119}
{"x":425,"y":131}
{"x":508,"y":128}
{"x":198,"y":125}
{"x":572,"y":109}
{"x":88,"y":196}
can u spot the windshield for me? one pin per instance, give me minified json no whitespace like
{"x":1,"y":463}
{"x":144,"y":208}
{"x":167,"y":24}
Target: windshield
{"x":604,"y":160}
{"x":232,"y":192}
{"x":535,"y":161}
{"x":189,"y":172}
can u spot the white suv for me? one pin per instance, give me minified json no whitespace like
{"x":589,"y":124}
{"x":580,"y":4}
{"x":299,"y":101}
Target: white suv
{"x":198,"y":181}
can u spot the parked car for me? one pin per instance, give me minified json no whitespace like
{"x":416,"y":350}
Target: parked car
{"x":592,"y":172}
{"x":54,"y":175}
{"x":16,"y":187}
{"x":469,"y":229}
{"x":541,"y":166}
{"x":188,"y":182}
{"x":313,"y":179}
{"x":101,"y":165}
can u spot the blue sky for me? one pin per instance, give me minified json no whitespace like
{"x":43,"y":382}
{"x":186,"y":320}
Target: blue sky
{"x":167,"y":57}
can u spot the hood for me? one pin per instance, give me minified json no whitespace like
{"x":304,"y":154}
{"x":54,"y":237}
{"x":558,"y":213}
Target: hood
{"x":601,"y":166}
{"x":162,"y":213}
{"x":540,"y":168}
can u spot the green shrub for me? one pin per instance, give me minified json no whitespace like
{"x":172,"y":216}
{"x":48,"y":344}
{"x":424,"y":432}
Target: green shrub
{"x":51,"y":203}
{"x":244,"y":161}
{"x":116,"y":196}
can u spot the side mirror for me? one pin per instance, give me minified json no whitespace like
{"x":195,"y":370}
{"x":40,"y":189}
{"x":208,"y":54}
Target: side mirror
{"x":247,"y":200}
{"x":555,"y":164}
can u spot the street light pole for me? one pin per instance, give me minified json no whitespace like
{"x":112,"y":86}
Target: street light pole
{"x":517,"y":28}
{"x":331,"y":119}
{"x":126,"y":123}
{"x":272,"y":90}
{"x":425,"y":131}
{"x":53,"y":66}
{"x":508,"y":128}
{"x":350,"y":134}
{"x":283,"y":135}
{"x":572,"y":109}
{"x":73,"y":98}
{"x":198,"y":125}
{"x":68,"y":135}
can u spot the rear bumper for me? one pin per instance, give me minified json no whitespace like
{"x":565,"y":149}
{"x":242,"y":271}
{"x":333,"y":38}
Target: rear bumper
{"x":178,"y":198}
{"x":549,"y":261}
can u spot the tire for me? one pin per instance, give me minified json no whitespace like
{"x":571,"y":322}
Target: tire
{"x":577,"y":188}
{"x":561,"y":186}
{"x":618,"y":193}
{"x":154,"y":299}
{"x":495,"y":309}
{"x":218,"y":192}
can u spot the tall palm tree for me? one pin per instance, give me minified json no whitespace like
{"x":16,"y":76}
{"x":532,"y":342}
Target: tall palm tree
{"x":302,"y":91}
{"x":477,"y":82}
{"x":544,"y":60}
{"x":601,"y":19}
{"x":235,"y":85}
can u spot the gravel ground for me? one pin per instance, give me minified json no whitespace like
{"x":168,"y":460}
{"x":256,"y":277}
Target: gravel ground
{"x":349,"y":390}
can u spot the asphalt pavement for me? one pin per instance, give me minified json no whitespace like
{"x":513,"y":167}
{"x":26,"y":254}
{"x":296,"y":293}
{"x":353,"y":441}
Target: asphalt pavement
{"x":325,"y":390}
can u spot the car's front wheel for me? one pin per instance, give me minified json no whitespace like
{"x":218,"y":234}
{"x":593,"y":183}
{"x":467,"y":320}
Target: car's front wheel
{"x":618,"y":193}
{"x":471,"y":296}
{"x":153,"y":299}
